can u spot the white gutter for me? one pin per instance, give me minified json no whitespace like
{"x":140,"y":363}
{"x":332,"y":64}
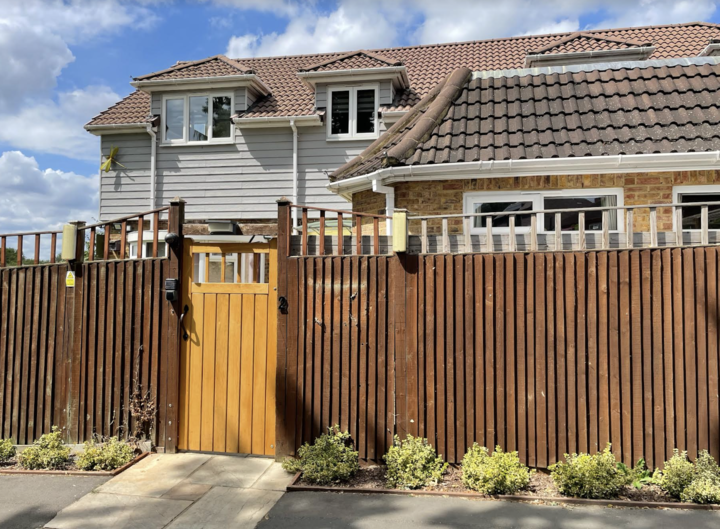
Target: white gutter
{"x":622,"y":163}
{"x":582,"y":57}
{"x":389,"y":193}
{"x":153,"y":166}
{"x":115,"y":128}
{"x":278,"y":121}
{"x":295,"y":173}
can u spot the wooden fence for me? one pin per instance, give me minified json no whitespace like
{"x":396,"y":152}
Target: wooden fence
{"x":73,"y":356}
{"x":543,"y":353}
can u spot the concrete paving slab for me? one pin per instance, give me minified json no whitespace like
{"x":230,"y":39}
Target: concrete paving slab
{"x":33,"y":500}
{"x":230,"y":471}
{"x":155,"y":475}
{"x":274,"y":478}
{"x":117,"y":511}
{"x":187,"y":491}
{"x":225,"y":507}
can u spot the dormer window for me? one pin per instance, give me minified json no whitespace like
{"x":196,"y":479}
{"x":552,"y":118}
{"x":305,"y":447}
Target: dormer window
{"x":352,"y":112}
{"x":197,"y":118}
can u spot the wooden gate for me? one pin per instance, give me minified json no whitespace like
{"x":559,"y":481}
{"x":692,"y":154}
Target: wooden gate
{"x":227,"y":368}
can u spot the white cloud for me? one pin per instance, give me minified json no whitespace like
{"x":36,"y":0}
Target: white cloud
{"x":350,"y":27}
{"x":33,"y":199}
{"x":56,"y":127}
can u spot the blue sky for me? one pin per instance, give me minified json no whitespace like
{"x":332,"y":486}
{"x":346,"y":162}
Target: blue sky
{"x":65,"y":60}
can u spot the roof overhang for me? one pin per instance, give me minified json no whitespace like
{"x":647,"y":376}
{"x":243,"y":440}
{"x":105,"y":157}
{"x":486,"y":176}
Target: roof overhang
{"x":396,"y":74}
{"x":122,"y":128}
{"x":711,"y":50}
{"x":391,"y":116}
{"x":250,"y":81}
{"x":586,"y":57}
{"x":278,"y":121}
{"x":622,"y":163}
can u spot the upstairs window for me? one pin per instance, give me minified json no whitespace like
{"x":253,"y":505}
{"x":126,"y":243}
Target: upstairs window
{"x":692,"y":215}
{"x":197,"y":118}
{"x":352,"y":112}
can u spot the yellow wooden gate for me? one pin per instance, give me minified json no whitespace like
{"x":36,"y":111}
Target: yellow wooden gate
{"x":227,"y":368}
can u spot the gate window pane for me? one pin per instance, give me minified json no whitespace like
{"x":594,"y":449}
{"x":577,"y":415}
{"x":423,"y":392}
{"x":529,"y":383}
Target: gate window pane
{"x":570,"y":221}
{"x":691,"y":214}
{"x":501,"y":221}
{"x":340,"y":112}
{"x":198,"y":118}
{"x":253,"y":268}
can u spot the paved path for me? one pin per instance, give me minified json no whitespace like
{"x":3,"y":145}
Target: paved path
{"x":310,"y":510}
{"x":181,"y":491}
{"x":28,"y":502}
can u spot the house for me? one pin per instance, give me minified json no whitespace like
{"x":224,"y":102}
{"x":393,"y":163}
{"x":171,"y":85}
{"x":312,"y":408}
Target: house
{"x":437,"y":128}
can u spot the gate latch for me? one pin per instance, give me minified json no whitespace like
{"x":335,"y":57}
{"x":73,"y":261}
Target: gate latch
{"x":283,"y":304}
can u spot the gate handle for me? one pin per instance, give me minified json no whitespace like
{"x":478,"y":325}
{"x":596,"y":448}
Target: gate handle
{"x":182,"y":325}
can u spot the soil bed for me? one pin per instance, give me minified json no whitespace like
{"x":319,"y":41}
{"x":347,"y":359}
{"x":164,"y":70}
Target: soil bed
{"x":71,"y":469}
{"x":542,"y":489}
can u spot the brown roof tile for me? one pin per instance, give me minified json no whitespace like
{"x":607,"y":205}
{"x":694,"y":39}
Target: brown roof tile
{"x":217,"y":66}
{"x":640,"y":110}
{"x":427,"y":65}
{"x":353,"y":61}
{"x":583,"y":41}
{"x":134,"y":108}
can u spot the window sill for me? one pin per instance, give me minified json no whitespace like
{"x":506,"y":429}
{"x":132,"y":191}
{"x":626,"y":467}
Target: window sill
{"x":353,"y":138}
{"x":199,"y":143}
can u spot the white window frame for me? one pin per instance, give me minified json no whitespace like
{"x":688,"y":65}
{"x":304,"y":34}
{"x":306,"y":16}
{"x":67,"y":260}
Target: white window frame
{"x":536,"y":197}
{"x":352,"y":126}
{"x":186,"y":118}
{"x":692,"y":190}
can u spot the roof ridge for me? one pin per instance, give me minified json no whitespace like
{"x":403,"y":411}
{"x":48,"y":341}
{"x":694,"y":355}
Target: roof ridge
{"x":390,"y":62}
{"x":587,"y":35}
{"x":235,"y":63}
{"x":497,"y":39}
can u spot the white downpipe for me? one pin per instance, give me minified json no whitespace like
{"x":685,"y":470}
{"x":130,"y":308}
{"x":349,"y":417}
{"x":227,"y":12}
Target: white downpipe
{"x":153,"y":165}
{"x":389,"y":193}
{"x":295,"y":172}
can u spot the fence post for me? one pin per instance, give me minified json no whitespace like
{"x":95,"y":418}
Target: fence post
{"x":176,"y":218}
{"x":73,"y":350}
{"x":284,"y":437}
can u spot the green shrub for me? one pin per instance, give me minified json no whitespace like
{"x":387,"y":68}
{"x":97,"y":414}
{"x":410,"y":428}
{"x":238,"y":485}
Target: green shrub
{"x":47,"y":453}
{"x":705,"y":485}
{"x":7,"y":450}
{"x":677,"y":475}
{"x":413,"y":463}
{"x":589,"y":476}
{"x":109,"y":455}
{"x":330,"y":459}
{"x":499,"y":473}
{"x":639,"y":476}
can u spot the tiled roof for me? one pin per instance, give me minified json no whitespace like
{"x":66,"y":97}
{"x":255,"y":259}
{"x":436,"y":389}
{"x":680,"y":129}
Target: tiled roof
{"x":428,"y":65}
{"x":135,"y":108}
{"x":353,"y":61}
{"x":611,"y":110}
{"x":578,"y":42}
{"x":217,"y":66}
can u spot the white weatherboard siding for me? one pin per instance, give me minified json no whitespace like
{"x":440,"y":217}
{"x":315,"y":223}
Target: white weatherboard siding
{"x":238,"y":181}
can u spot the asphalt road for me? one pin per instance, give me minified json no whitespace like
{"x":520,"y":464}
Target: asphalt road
{"x":312,"y":510}
{"x":28,"y":502}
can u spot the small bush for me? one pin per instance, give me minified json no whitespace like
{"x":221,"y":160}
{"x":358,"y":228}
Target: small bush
{"x":499,"y":473}
{"x":7,"y":450}
{"x":678,"y":474}
{"x":330,"y":459}
{"x":589,"y":476}
{"x":47,"y":453}
{"x":413,"y":463}
{"x":705,"y":485}
{"x":109,"y":455}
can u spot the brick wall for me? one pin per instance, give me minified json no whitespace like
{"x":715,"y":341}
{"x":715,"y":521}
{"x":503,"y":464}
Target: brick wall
{"x":444,"y":197}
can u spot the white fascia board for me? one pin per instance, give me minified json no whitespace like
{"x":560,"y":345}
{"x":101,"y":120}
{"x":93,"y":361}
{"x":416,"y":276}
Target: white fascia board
{"x":119,"y":128}
{"x":393,"y":116}
{"x":277,"y":121}
{"x":204,"y":83}
{"x":631,"y":163}
{"x":398,"y":74}
{"x":711,"y":50}
{"x":589,"y":56}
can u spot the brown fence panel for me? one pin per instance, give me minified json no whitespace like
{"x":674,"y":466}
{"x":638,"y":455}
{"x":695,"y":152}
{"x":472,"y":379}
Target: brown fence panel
{"x":543,"y":353}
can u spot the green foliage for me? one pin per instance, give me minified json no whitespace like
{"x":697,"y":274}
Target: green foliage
{"x":330,"y":459}
{"x":590,"y":476}
{"x":7,"y":450}
{"x":47,"y":453}
{"x":638,"y":476}
{"x":109,"y":455}
{"x":678,"y":474}
{"x":499,"y":473}
{"x":413,"y":463}
{"x":705,"y":486}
